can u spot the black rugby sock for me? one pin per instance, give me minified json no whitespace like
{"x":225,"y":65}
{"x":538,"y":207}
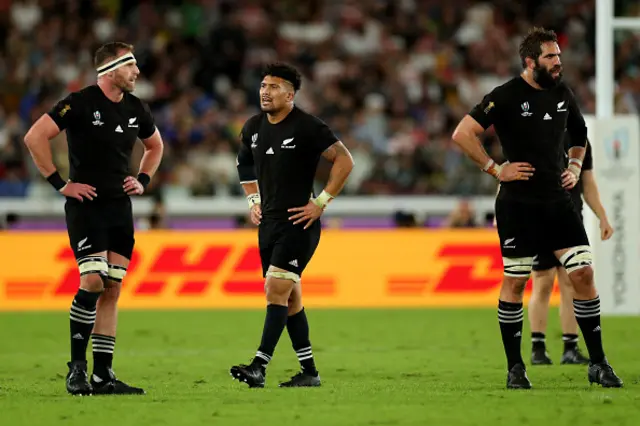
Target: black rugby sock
{"x":82,"y":316}
{"x":298,"y":328}
{"x":538,"y":341}
{"x":510,"y":316}
{"x":588,"y":316}
{"x":274,"y":324}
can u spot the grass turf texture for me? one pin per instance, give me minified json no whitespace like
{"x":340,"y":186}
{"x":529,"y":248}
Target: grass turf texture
{"x":379,"y":367}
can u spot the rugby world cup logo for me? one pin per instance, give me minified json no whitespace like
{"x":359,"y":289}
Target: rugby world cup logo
{"x":525,"y":109}
{"x":617,"y":145}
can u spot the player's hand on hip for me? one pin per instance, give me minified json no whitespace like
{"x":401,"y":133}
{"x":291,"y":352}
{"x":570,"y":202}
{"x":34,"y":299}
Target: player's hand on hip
{"x":78,"y":191}
{"x":309,"y":213}
{"x":606,"y":230}
{"x":256,"y":214}
{"x":132,"y":186}
{"x":516,"y":171}
{"x":569,"y":179}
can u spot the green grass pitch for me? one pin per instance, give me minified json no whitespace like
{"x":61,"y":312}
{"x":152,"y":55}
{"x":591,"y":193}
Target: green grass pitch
{"x":379,"y":367}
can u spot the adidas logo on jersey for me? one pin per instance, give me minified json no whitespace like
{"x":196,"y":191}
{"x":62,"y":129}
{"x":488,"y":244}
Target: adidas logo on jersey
{"x":547,"y":117}
{"x":270,"y":151}
{"x":118,"y":129}
{"x":294,"y":262}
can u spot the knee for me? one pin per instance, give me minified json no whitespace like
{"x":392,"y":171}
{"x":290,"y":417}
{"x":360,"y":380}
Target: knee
{"x":279,"y":286}
{"x":515,"y":285}
{"x":93,"y":283}
{"x":111,"y":293}
{"x":543,"y":283}
{"x":582,"y":277}
{"x":516,"y":273}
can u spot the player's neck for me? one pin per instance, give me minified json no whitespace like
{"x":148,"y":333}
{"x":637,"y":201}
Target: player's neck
{"x":110,"y":91}
{"x":528,"y":77}
{"x":280,"y":115}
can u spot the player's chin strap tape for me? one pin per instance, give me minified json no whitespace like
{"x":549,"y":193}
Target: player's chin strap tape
{"x":116,"y":63}
{"x":518,"y":267}
{"x":94,"y":265}
{"x":576,"y":258}
{"x":284,"y":275}
{"x":117,"y":273}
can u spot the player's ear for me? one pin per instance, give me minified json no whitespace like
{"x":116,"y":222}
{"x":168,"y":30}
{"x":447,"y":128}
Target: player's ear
{"x":531,"y":63}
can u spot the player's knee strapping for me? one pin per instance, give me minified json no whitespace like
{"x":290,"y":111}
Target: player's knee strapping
{"x":116,"y":273}
{"x":577,"y":257}
{"x":94,"y":265}
{"x":283,"y":275}
{"x":518,"y":267}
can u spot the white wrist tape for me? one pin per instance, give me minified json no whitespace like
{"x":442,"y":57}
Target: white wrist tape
{"x":323,"y":199}
{"x":575,"y":166}
{"x":253,"y":199}
{"x":492,"y":168}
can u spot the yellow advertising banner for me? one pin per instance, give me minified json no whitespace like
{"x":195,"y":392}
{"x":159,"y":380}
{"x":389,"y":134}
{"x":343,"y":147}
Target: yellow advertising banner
{"x":221,"y":269}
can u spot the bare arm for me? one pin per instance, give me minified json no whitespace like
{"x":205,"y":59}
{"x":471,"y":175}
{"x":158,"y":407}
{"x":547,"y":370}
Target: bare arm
{"x":250,"y":188}
{"x":592,"y":195}
{"x":466,"y":137}
{"x":153,"y":149}
{"x":343,"y":163}
{"x":37,"y":141}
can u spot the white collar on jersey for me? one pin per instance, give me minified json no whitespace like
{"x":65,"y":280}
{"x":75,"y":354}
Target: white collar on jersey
{"x":116,"y":63}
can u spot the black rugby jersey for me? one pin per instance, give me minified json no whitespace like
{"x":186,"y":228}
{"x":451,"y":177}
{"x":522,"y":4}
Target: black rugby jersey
{"x":285,"y":156}
{"x":531,"y":124}
{"x":101,"y":135}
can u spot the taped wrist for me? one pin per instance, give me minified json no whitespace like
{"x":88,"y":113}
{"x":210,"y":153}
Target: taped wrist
{"x":253,"y":199}
{"x":323,"y":199}
{"x":575,"y":166}
{"x":492,"y":168}
{"x":56,"y":181}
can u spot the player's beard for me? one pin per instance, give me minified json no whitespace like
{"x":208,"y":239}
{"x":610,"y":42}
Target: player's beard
{"x":123,"y":83}
{"x":544,"y":78}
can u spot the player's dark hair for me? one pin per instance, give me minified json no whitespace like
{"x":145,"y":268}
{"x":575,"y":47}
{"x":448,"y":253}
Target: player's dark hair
{"x":110,"y":51}
{"x":285,"y":72}
{"x":531,"y":46}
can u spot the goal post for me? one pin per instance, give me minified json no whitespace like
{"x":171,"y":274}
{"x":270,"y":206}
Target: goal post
{"x":615,"y":140}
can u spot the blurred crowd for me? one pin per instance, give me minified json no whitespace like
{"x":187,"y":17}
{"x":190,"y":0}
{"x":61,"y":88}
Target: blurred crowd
{"x":391,"y":77}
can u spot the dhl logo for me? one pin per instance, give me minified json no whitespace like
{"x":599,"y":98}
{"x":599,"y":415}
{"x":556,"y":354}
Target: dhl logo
{"x":472,"y":268}
{"x":223,"y":269}
{"x":194,"y":278}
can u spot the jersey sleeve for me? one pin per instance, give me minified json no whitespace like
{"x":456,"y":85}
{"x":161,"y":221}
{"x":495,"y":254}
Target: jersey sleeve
{"x":63,"y":111}
{"x":576,"y":126}
{"x":244,"y":162}
{"x":485,"y":112}
{"x":323,"y":136}
{"x":147,"y":123}
{"x":587,"y":163}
